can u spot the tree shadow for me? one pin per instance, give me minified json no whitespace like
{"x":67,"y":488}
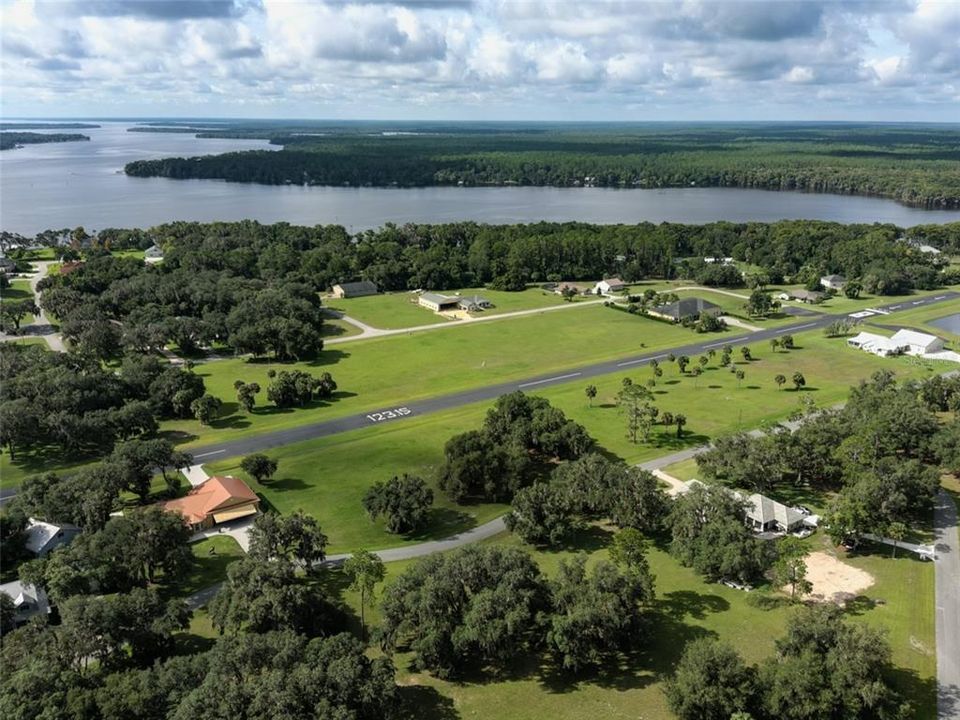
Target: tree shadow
{"x":682,"y":603}
{"x":443,"y":522}
{"x":923,"y":692}
{"x":232,"y":422}
{"x":287,"y":483}
{"x":418,"y":702}
{"x":187,"y":643}
{"x":752,"y":387}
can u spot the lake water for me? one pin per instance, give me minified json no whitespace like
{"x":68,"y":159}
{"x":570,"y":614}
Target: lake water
{"x":81,"y":183}
{"x":950,"y":323}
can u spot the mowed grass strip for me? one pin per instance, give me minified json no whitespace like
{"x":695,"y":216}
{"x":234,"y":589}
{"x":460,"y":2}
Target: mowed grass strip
{"x":392,"y":371}
{"x":392,"y":311}
{"x":328,"y":478}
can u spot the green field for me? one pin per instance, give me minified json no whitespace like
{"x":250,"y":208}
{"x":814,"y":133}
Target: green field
{"x":390,"y":371}
{"x":392,"y":311}
{"x":328,"y":476}
{"x":19,"y":290}
{"x":919,"y":318}
{"x":211,"y":558}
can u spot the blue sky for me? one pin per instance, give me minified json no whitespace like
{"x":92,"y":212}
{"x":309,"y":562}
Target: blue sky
{"x":483,"y":59}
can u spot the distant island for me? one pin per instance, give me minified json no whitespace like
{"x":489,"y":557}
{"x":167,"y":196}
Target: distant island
{"x":916,"y":165}
{"x":12,"y":140}
{"x":46,"y":126}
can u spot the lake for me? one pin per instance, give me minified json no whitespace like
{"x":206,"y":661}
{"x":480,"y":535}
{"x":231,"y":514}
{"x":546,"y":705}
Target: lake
{"x":950,"y":323}
{"x":82,"y":183}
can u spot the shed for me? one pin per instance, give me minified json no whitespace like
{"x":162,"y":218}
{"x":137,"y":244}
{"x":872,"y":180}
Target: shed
{"x":438,"y":302}
{"x":355,"y":289}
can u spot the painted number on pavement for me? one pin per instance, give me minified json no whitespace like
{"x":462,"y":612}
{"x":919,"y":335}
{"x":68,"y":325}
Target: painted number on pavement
{"x":389,"y":414}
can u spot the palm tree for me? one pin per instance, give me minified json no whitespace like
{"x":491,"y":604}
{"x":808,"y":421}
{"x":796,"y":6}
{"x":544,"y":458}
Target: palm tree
{"x":780,"y":380}
{"x":680,"y":420}
{"x":591,"y":392}
{"x":897,"y":531}
{"x":774,"y":344}
{"x":740,"y":375}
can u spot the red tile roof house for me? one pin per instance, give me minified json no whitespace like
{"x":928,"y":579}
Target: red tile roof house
{"x":218,"y":500}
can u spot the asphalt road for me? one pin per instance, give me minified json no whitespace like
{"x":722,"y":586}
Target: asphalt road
{"x":948,"y":607}
{"x":279,"y":438}
{"x":396,"y":413}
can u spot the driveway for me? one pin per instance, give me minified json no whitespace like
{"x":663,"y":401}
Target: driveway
{"x":948,"y":607}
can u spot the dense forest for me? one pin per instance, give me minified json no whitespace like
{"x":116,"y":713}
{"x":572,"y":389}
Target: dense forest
{"x":915,"y":165}
{"x":11,"y":140}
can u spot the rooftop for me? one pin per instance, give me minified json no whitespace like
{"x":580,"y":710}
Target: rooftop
{"x":217,"y":493}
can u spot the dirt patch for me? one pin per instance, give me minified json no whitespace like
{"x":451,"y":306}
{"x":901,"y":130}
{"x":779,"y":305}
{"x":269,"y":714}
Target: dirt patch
{"x":833,"y":580}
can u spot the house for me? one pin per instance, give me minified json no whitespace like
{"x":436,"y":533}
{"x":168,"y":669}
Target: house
{"x":610,"y":285}
{"x":718,"y":260}
{"x":807,"y":296}
{"x":42,"y":537}
{"x":7,"y":265}
{"x":767,"y":515}
{"x":217,"y":500}
{"x":438,"y":302}
{"x":28,"y":601}
{"x":833,"y":282}
{"x":355,"y":289}
{"x":917,"y":343}
{"x":876,"y":344}
{"x":685,"y":308}
{"x":153,"y":254}
{"x":473,"y":303}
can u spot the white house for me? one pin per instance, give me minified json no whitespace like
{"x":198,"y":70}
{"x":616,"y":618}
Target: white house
{"x":153,"y":254}
{"x":27,"y":601}
{"x":610,"y":285}
{"x":767,"y":515}
{"x":876,"y":344}
{"x":42,"y":537}
{"x":833,"y":282}
{"x":917,"y":343}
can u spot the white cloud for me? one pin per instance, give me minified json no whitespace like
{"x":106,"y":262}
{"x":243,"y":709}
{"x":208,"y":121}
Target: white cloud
{"x":512,"y":58}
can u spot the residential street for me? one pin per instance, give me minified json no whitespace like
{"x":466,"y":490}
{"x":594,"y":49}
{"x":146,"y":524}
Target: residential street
{"x":948,"y":607}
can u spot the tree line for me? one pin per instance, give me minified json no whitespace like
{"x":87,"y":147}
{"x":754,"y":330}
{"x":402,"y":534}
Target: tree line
{"x":917,"y":168}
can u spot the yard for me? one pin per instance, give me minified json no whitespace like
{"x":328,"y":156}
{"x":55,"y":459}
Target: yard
{"x":328,"y":477}
{"x":391,"y":311}
{"x":19,"y":290}
{"x":686,"y":608}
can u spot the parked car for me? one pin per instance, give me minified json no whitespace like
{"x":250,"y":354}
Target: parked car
{"x":849,"y":544}
{"x":736,"y":585}
{"x":802,"y":510}
{"x":802,"y":533}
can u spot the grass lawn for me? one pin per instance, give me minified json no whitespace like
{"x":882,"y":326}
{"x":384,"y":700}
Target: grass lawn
{"x":400,"y":310}
{"x":685,"y":470}
{"x":735,"y":306}
{"x":211,"y":556}
{"x":840,"y":304}
{"x":19,"y":290}
{"x":391,"y":371}
{"x":686,"y":608}
{"x":717,"y":403}
{"x":334,"y":328}
{"x":328,"y":477}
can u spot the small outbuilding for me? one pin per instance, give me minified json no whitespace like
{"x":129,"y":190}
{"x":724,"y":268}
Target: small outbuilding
{"x":438,"y":302}
{"x":577,"y":288}
{"x":153,"y":254}
{"x":917,"y":343}
{"x":685,"y":309}
{"x":833,"y":282}
{"x":361,"y":288}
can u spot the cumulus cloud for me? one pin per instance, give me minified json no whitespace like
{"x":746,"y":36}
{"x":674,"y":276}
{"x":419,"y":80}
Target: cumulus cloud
{"x":555,"y":59}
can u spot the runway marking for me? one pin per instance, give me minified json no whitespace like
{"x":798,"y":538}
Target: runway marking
{"x":558,"y":377}
{"x":716,"y":344}
{"x":917,"y":302}
{"x":940,"y":297}
{"x":801,"y":327}
{"x":214,"y":452}
{"x":632,"y":362}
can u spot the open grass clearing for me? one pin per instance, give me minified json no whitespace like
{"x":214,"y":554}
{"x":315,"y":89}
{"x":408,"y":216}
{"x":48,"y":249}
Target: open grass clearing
{"x":212,"y":556}
{"x":392,"y":371}
{"x":391,"y":311}
{"x":328,"y":477}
